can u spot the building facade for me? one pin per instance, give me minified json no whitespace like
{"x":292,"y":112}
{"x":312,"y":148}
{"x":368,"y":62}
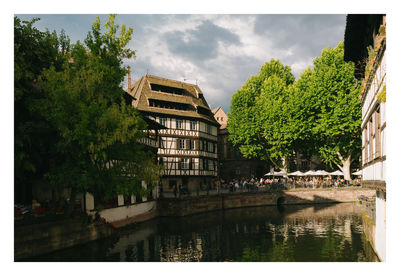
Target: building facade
{"x":365,"y":45}
{"x":232,"y":164}
{"x":188,"y":144}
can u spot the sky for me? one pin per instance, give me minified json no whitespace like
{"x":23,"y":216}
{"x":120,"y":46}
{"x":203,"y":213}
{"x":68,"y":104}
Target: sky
{"x":218,"y":52}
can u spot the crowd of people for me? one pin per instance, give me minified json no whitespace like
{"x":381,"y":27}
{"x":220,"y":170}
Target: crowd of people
{"x":268,"y":184}
{"x":254,"y":183}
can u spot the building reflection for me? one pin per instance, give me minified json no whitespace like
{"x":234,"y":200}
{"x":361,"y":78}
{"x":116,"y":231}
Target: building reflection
{"x":334,"y":232}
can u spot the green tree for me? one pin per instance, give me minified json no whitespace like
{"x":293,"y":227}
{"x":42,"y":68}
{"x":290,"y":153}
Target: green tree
{"x":331,"y":109}
{"x":260,"y":121}
{"x":97,"y":150}
{"x":34,"y":51}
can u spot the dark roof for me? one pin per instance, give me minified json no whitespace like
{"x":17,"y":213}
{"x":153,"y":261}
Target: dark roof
{"x":192,"y":97}
{"x":152,"y":124}
{"x":359,"y":34}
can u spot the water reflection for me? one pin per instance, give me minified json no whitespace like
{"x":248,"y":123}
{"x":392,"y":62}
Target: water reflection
{"x":291,"y":233}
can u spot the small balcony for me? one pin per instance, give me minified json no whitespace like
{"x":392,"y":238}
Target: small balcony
{"x":149,"y":142}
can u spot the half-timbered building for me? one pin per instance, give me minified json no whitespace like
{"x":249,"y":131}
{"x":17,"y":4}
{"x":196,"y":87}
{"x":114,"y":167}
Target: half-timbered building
{"x":188,"y":145}
{"x":365,"y":45}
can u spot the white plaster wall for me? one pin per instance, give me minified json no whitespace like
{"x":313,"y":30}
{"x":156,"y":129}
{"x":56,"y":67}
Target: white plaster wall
{"x":375,"y":171}
{"x":383,"y":142}
{"x":125,"y":212}
{"x":380,"y":230}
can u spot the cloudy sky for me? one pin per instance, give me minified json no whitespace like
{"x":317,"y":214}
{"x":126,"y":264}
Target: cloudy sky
{"x":219,"y":52}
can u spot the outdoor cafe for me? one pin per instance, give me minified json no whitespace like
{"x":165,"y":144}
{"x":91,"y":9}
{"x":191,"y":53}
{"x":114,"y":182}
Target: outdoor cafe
{"x":314,"y":179}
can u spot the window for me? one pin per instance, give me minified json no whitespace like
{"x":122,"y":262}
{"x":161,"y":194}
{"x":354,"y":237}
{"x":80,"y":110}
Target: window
{"x":201,"y":147}
{"x":217,"y":118}
{"x":179,"y":124}
{"x":192,"y":125}
{"x":208,"y":129}
{"x":185,"y":163}
{"x":201,"y":163}
{"x":210,"y":147}
{"x":210,"y":165}
{"x":205,"y":164}
{"x":370,"y":140}
{"x":222,"y":118}
{"x":162,"y":143}
{"x":377,"y":133}
{"x":163,"y":121}
{"x":191,"y":144}
{"x":181,"y":143}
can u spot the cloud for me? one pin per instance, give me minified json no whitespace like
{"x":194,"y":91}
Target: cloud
{"x":303,"y":35}
{"x":219,"y":52}
{"x":201,"y":43}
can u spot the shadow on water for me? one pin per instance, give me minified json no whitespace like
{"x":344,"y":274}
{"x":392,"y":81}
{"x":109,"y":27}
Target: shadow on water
{"x":265,"y":233}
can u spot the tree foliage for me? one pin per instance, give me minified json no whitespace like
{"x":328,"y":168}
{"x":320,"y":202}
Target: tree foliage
{"x":34,"y":51}
{"x":272,"y":116}
{"x":259,"y":122}
{"x":332,"y":110}
{"x":93,"y":132}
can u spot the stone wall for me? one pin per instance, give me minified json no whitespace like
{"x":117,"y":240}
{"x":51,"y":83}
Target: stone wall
{"x":38,"y":239}
{"x":188,"y":206}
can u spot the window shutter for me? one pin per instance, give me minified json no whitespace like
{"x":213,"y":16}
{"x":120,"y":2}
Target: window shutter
{"x":179,"y":163}
{"x":187,"y":144}
{"x":196,"y":144}
{"x":177,"y":144}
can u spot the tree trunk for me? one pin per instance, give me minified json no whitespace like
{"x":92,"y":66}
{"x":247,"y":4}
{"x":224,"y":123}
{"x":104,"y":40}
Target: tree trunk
{"x":283,"y":167}
{"x":345,"y":168}
{"x":285,"y":164}
{"x":71,"y":202}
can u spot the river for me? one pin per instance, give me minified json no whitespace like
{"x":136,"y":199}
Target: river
{"x":295,"y":233}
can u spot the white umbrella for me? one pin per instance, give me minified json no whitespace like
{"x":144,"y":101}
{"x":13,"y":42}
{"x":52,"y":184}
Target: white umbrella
{"x":358,"y":173}
{"x":296,"y":173}
{"x":321,"y":172}
{"x":336,"y":173}
{"x":310,"y":172}
{"x":278,"y":174}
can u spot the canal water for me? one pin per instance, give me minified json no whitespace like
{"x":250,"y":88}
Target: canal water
{"x":294,"y":233}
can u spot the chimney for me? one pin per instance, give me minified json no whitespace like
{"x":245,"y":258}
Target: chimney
{"x":129,"y":78}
